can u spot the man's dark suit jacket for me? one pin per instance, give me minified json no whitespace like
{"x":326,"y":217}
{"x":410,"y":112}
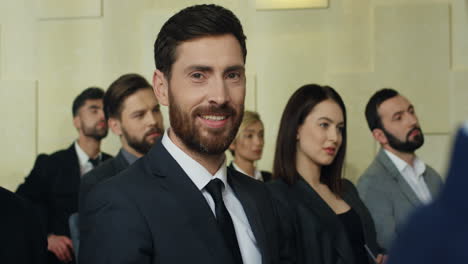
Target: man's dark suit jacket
{"x":153,"y":213}
{"x":53,"y":186}
{"x":319,"y":235}
{"x":22,"y":238}
{"x":265,"y":174}
{"x":104,"y":171}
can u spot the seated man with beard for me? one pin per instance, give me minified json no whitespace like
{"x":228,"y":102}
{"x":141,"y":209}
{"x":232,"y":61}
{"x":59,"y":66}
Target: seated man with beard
{"x":54,"y":182}
{"x":397,"y":181}
{"x":180,"y":203}
{"x":133,"y":114}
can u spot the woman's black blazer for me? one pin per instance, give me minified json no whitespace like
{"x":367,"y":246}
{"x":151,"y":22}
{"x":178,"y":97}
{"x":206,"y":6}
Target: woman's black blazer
{"x":319,"y":235}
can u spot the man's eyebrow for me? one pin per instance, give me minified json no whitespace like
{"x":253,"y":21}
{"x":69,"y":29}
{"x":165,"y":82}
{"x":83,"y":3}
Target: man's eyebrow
{"x":202,"y":68}
{"x":235,"y":68}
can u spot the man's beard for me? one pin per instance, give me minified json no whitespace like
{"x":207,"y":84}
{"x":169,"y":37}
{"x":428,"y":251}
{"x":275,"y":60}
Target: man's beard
{"x":183,"y":125}
{"x":408,"y":146}
{"x":142,"y":145}
{"x":95,"y":132}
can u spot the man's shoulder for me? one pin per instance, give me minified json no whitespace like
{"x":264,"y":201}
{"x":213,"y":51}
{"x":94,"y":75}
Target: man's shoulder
{"x":375,"y":175}
{"x":104,"y":170}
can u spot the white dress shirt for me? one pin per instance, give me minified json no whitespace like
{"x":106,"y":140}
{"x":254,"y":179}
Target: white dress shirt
{"x":83,"y":159}
{"x":257,"y":173}
{"x":201,"y":177}
{"x":413,"y":176}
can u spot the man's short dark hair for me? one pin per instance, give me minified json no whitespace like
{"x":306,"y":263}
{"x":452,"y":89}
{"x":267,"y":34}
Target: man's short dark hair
{"x":119,"y":90}
{"x":91,"y":93}
{"x":372,"y":116}
{"x":190,"y":23}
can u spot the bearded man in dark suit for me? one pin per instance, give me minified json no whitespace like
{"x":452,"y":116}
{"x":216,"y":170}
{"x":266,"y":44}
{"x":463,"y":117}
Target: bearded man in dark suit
{"x":180,"y":203}
{"x":53,"y":184}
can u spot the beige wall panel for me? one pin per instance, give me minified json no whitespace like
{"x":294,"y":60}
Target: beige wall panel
{"x":350,"y":36}
{"x":459,"y":99}
{"x":436,"y":151}
{"x":289,"y":50}
{"x":18,"y":38}
{"x":459,"y":12}
{"x":233,"y":5}
{"x":18,"y":132}
{"x":355,"y":89}
{"x":412,"y":56}
{"x":70,"y":60}
{"x":53,"y":9}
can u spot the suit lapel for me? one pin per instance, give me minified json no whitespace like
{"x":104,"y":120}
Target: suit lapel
{"x":396,"y":175}
{"x":432,"y":182}
{"x":190,"y":199}
{"x":307,"y":196}
{"x":73,"y":167}
{"x":248,"y":201}
{"x":120,"y":162}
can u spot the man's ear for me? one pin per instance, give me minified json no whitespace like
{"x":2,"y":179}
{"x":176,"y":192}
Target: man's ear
{"x":115,"y":126}
{"x":379,"y":135}
{"x":160,"y":87}
{"x":77,"y":122}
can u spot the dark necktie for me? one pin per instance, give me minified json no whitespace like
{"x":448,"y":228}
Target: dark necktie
{"x":95,"y":161}
{"x":214,"y":187}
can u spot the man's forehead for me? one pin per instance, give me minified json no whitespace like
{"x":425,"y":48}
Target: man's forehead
{"x":93,"y":103}
{"x":393,"y":105}
{"x":200,"y":51}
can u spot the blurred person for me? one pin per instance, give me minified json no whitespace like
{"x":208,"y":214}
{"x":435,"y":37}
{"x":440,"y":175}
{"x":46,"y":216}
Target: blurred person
{"x":247,"y":147}
{"x":54,"y":182}
{"x":23,"y":239}
{"x":397,"y":180}
{"x":318,"y":207}
{"x":437,"y":232}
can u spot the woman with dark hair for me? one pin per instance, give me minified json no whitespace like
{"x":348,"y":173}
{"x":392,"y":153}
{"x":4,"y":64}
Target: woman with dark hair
{"x":320,"y":210}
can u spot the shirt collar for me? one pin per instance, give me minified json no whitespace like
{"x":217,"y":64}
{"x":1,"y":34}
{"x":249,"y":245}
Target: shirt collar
{"x":195,"y":171}
{"x":129,"y":157}
{"x":257,"y":173}
{"x":419,"y":166}
{"x":83,"y":158}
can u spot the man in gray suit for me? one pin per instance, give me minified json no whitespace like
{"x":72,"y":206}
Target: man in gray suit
{"x":396,"y":181}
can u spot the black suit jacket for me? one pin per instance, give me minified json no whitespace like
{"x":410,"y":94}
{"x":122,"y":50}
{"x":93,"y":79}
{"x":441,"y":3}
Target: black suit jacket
{"x":104,"y":171}
{"x":53,"y":186}
{"x":22,"y":239}
{"x":267,"y":176}
{"x":153,"y":213}
{"x":317,"y":231}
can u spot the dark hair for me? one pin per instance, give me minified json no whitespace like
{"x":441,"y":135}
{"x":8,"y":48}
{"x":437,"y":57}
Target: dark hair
{"x":190,"y":23}
{"x":119,"y":90}
{"x":372,"y":116}
{"x":301,"y":103}
{"x":91,"y":93}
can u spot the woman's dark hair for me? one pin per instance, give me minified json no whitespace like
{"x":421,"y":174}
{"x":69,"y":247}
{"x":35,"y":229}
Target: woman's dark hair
{"x":301,"y":103}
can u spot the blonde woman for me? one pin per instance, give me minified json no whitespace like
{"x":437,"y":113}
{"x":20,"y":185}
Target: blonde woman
{"x":247,"y":147}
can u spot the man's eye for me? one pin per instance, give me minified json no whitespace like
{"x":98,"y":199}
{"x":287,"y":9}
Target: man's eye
{"x":324,"y":125}
{"x":233,"y":75}
{"x":197,"y":75}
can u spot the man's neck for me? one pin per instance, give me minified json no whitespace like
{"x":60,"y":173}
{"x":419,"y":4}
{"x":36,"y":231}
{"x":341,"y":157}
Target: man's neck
{"x":211,"y":163}
{"x":130,"y":149}
{"x":407,"y":157}
{"x":90,"y":146}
